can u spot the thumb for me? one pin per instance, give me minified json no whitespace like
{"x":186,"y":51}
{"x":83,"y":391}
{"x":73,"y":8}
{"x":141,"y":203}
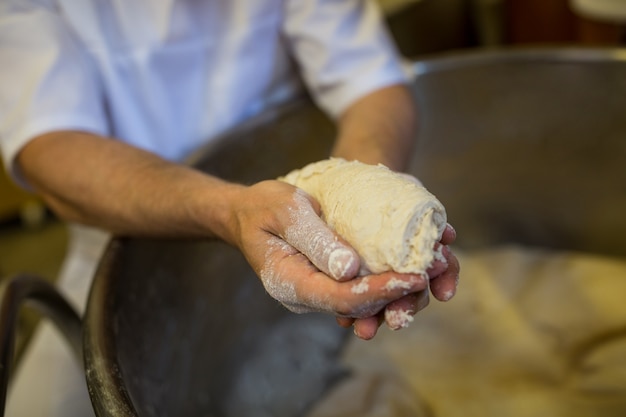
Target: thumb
{"x":310,"y":235}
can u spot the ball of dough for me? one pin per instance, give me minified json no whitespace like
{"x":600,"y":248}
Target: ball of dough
{"x":389,"y":218}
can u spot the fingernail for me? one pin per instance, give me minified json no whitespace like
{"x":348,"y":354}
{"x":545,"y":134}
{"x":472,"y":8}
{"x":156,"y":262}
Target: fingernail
{"x":341,"y":263}
{"x":447,"y":296}
{"x":356,"y":333}
{"x":398,"y":319}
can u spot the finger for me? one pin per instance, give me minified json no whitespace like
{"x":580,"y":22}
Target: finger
{"x":311,"y":235}
{"x":449,"y":235}
{"x":443,"y":287}
{"x":371,"y":294}
{"x":423,"y":300}
{"x":399,"y":314}
{"x":358,"y":298}
{"x":366,"y":328}
{"x":345,"y":321}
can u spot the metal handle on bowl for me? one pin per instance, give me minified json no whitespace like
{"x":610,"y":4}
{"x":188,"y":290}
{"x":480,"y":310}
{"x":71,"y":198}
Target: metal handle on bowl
{"x":44,"y":297}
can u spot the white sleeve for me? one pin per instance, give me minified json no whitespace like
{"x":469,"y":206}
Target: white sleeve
{"x":343,"y":49}
{"x":47,"y":81}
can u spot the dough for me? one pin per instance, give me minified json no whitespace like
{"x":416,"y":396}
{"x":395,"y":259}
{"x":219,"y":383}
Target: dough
{"x":390,"y":219}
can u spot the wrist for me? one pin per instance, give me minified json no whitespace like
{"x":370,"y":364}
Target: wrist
{"x":215,"y":210}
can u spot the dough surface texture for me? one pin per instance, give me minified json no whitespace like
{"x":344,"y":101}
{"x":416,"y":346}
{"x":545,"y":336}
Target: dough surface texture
{"x":390,"y":219}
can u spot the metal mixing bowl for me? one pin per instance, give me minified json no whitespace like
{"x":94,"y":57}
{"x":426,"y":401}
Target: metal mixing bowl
{"x":525,"y":146}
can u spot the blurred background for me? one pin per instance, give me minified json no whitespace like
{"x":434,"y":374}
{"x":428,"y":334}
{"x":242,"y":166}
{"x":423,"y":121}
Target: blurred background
{"x":32,"y":240}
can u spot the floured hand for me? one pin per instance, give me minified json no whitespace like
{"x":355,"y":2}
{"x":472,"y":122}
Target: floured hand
{"x":305,"y":265}
{"x":444,"y":278}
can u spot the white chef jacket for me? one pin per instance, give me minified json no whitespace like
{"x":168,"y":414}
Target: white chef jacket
{"x":166,"y":75}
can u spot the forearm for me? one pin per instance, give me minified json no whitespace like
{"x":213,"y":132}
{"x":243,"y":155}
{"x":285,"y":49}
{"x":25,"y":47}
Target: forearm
{"x":379,"y":128}
{"x":109,"y":184}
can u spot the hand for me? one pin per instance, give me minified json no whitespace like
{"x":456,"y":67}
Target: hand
{"x":444,"y":278}
{"x":302,"y":263}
